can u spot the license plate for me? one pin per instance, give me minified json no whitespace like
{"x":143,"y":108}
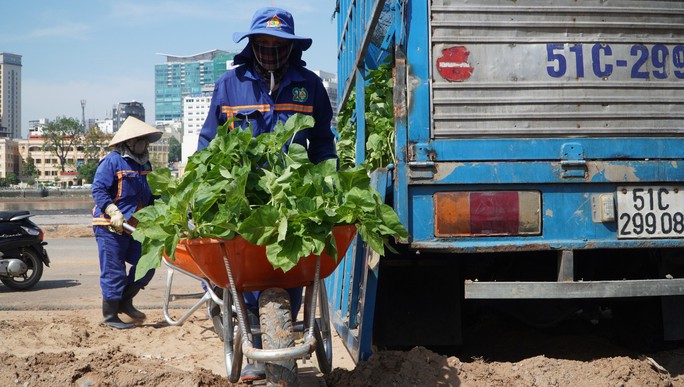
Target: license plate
{"x":650,"y":212}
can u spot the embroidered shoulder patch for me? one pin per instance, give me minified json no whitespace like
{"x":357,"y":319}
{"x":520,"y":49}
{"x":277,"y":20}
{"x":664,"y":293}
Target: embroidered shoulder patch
{"x":300,"y":94}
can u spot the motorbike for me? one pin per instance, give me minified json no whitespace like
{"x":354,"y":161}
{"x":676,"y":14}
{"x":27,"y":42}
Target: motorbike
{"x":22,"y":250}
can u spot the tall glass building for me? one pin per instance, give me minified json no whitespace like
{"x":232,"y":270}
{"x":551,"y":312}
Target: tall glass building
{"x":10,"y":95}
{"x":123,"y":110}
{"x":182,"y":76}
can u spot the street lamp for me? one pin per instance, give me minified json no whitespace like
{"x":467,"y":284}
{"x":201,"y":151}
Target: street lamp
{"x":83,"y":103}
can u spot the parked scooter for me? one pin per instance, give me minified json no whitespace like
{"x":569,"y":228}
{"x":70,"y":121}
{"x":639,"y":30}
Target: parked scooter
{"x":22,"y":251}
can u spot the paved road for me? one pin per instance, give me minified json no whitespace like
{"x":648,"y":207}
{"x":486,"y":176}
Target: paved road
{"x":72,"y":282}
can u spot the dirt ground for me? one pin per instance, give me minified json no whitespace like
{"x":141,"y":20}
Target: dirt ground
{"x":71,"y":348}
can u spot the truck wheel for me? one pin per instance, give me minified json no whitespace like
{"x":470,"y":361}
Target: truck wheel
{"x":32,"y":275}
{"x":276,"y":333}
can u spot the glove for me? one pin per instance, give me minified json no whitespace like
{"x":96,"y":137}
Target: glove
{"x":116,"y":217}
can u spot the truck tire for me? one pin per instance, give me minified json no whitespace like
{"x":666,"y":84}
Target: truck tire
{"x":276,"y":333}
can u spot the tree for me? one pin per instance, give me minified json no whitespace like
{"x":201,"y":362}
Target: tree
{"x":9,"y":180}
{"x":174,"y":150}
{"x":28,"y":167}
{"x":95,"y":144}
{"x":86,"y":172}
{"x":61,"y":137}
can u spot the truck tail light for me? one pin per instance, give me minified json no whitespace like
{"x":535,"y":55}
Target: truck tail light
{"x":487,"y":213}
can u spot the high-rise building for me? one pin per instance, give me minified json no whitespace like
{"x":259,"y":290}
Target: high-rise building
{"x":123,"y":110}
{"x":10,"y":159}
{"x":181,"y":76}
{"x":330,"y":84}
{"x":195,"y":109}
{"x":10,"y":95}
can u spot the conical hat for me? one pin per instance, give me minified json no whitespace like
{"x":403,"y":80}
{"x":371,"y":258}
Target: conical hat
{"x":132,"y":128}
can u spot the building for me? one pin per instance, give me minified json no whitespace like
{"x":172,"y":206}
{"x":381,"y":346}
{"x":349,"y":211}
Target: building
{"x":330,"y":84}
{"x":159,"y":152}
{"x":36,"y":126}
{"x":182,"y":76}
{"x":123,"y":110}
{"x":10,"y":95}
{"x":10,"y":159}
{"x":47,"y":164}
{"x":48,"y":167}
{"x":106,"y":125}
{"x":195,"y":109}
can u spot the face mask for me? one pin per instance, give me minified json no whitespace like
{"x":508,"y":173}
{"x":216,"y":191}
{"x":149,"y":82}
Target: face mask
{"x":271,"y":58}
{"x":138,"y":147}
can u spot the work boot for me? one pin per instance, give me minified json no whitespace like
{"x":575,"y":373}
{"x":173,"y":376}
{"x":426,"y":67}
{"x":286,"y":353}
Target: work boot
{"x":253,"y":370}
{"x":110,"y":311}
{"x":126,"y":305}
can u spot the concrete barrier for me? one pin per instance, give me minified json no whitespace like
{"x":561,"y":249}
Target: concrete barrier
{"x":19,"y":194}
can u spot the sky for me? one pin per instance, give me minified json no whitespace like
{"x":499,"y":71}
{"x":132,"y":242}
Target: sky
{"x":104,"y":51}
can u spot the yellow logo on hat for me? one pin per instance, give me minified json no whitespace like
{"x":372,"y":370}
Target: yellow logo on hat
{"x":274,"y":23}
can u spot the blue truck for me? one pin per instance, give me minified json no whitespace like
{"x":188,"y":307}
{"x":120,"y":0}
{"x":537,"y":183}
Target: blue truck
{"x":539,"y":165}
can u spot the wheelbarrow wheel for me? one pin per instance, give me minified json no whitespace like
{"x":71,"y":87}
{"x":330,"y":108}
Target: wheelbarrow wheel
{"x":277,"y":333}
{"x":324,"y":362}
{"x":232,"y":339}
{"x":214,"y":311}
{"x":322,"y":332}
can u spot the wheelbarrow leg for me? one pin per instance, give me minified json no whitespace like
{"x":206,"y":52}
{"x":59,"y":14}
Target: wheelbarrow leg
{"x":168,"y":296}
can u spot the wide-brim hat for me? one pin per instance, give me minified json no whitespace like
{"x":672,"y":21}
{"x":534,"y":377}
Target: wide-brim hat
{"x":132,"y":128}
{"x":275,"y":22}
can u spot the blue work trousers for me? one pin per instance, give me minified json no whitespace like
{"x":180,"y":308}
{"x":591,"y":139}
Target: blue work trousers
{"x":115,"y":252}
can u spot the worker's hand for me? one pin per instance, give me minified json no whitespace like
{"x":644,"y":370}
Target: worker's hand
{"x":116,"y":217}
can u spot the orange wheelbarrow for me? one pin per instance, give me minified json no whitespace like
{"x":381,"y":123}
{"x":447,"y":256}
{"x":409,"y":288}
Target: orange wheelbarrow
{"x":237,"y":266}
{"x":184,"y":264}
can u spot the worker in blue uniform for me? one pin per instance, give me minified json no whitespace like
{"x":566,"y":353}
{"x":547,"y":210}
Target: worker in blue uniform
{"x":119,"y":189}
{"x":269,"y":83}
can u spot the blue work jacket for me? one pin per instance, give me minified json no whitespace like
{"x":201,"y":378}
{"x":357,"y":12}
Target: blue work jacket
{"x":241,"y":93}
{"x":122,"y":181}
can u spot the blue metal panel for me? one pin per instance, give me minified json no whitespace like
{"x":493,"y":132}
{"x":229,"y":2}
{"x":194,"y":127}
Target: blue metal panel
{"x":566,"y":221}
{"x":369,"y":269}
{"x":355,"y":285}
{"x":549,"y":148}
{"x":339,"y":300}
{"x":360,"y":118}
{"x":355,"y":26}
{"x":353,"y":292}
{"x":413,"y":84}
{"x":533,"y":173}
{"x":417,"y":48}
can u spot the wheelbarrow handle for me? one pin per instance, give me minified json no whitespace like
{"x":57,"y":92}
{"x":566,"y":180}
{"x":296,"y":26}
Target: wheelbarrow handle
{"x":128,"y":227}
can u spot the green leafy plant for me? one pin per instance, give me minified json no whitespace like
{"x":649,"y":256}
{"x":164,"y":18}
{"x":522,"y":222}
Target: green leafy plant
{"x":379,"y":119}
{"x":249,"y":186}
